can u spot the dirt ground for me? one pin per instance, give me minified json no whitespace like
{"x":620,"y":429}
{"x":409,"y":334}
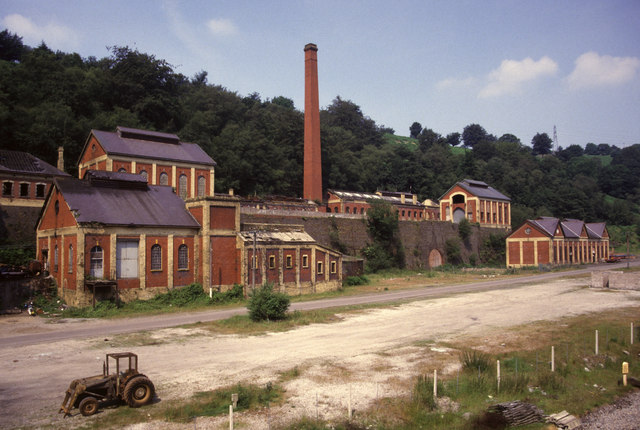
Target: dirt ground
{"x":363,"y":357}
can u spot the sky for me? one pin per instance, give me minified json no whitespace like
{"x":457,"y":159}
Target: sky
{"x":518,"y":67}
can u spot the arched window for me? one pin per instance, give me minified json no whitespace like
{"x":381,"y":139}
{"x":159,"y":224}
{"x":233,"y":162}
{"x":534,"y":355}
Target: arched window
{"x":70,"y":258}
{"x":156,"y":257}
{"x":201,"y":185}
{"x":55,"y":258}
{"x":182,"y":186}
{"x":347,"y":209}
{"x":122,"y":170}
{"x":183,"y":257}
{"x":143,"y":173}
{"x":95,"y":268}
{"x":164,"y":179}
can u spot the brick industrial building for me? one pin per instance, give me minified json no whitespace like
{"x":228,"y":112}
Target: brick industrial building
{"x":548,"y":240}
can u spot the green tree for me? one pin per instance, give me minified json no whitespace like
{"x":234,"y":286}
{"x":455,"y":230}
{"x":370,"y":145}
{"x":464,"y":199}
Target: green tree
{"x":541,"y":144}
{"x":415,"y":129}
{"x":453,"y":139}
{"x":11,"y":46}
{"x":386,"y":250}
{"x":474,"y":134}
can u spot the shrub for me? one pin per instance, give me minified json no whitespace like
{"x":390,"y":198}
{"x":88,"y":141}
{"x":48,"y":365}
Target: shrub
{"x":464,"y":229}
{"x":423,"y":392}
{"x":265,"y":304}
{"x":356,"y":280}
{"x":475,"y":361}
{"x":452,"y":249}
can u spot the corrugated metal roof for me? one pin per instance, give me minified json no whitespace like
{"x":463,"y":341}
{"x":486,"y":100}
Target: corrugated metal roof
{"x":352,"y":196}
{"x":152,"y":205}
{"x":140,"y":143}
{"x":277,"y":236}
{"x":23,"y":162}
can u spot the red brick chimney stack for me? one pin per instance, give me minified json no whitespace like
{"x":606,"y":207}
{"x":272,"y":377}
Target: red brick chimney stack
{"x":312,"y":153}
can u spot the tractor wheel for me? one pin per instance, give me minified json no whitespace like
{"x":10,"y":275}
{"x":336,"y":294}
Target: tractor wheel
{"x":88,"y":406}
{"x":138,"y":392}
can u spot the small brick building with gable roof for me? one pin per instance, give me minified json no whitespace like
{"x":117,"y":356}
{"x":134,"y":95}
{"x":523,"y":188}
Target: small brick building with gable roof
{"x":159,"y":157}
{"x":477,"y":202}
{"x":548,"y":240}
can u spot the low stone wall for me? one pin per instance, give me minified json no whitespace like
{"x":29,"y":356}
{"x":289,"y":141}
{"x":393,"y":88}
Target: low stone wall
{"x":615,"y":280}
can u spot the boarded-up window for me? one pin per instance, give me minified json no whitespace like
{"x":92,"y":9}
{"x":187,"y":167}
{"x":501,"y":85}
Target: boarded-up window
{"x":127,"y":259}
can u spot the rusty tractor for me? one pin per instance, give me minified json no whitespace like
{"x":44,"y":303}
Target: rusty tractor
{"x":119,"y":381}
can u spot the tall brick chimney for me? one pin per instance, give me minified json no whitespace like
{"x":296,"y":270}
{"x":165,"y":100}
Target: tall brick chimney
{"x":61,"y":158}
{"x":312,"y":154}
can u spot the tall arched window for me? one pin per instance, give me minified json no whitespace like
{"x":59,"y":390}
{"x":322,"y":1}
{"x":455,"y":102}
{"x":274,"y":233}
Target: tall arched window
{"x":183,"y":257}
{"x":70,"y":264}
{"x":95,"y":267}
{"x":156,"y":257}
{"x":143,"y":173}
{"x":164,"y":179}
{"x":201,"y":186}
{"x":182,"y":184}
{"x":55,"y":258}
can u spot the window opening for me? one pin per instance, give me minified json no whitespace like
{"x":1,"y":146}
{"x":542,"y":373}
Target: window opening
{"x":183,"y":257}
{"x":95,"y":256}
{"x":156,"y":257}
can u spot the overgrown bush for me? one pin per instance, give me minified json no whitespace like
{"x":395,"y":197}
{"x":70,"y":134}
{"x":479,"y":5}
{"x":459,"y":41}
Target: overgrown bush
{"x":452,"y":250}
{"x":464,"y":229}
{"x":355,"y":280}
{"x":266,"y":304}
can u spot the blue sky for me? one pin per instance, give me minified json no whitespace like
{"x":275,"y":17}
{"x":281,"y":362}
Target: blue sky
{"x":517,"y":67}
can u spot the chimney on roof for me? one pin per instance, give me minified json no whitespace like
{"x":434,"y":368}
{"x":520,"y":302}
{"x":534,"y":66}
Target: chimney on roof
{"x":312,"y":183}
{"x":402,"y":198}
{"x":415,"y":199}
{"x":61,"y":158}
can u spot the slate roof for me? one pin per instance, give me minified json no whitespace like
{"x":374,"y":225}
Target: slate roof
{"x":150,"y":144}
{"x":25,"y":163}
{"x":112,"y":202}
{"x":481,"y":189}
{"x":546,"y":224}
{"x":595,"y":230}
{"x":388,"y":196}
{"x":572,"y":228}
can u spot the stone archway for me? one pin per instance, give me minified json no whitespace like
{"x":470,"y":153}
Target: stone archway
{"x":435,"y":259}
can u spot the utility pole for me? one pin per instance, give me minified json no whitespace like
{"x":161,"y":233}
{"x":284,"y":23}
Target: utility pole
{"x":627,"y":250}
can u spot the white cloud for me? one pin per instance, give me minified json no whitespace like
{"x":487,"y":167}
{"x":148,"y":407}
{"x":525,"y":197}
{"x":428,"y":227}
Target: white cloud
{"x":593,"y":70}
{"x":54,"y":35}
{"x":512,"y":75}
{"x":455,"y":83}
{"x":222,"y":27}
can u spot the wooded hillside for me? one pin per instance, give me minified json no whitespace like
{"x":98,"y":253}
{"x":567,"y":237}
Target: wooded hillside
{"x":48,"y":99}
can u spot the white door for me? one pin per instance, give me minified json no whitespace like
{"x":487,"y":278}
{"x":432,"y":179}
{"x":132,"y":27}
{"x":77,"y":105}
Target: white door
{"x":126,"y":259}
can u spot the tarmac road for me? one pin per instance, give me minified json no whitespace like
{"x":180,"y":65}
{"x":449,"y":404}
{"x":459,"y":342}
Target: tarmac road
{"x":89,"y":328}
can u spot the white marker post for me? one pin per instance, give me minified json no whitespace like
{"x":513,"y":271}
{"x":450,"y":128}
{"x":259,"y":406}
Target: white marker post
{"x":553,"y":359}
{"x":596,"y":342}
{"x":625,"y":370}
{"x":498,"y":369}
{"x":435,"y":383}
{"x":230,"y":417}
{"x":631,"y":333}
